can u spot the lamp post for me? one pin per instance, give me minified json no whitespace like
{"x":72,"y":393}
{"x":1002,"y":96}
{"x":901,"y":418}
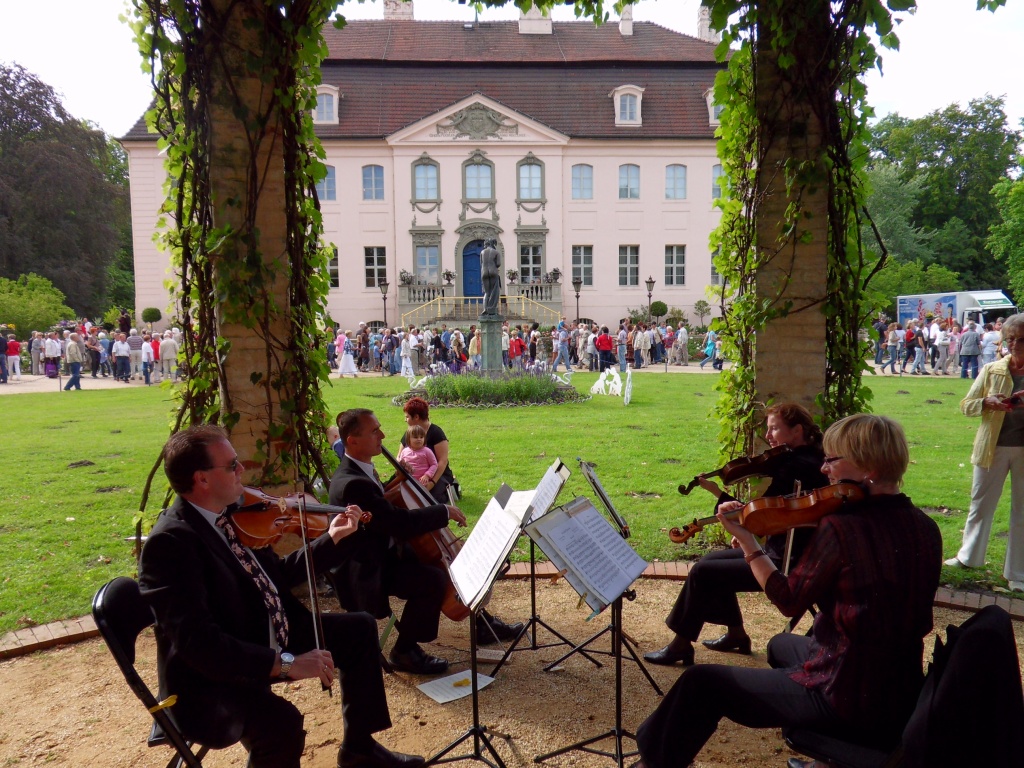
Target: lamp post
{"x":384,"y":285}
{"x":577,"y":283}
{"x":650,"y":291}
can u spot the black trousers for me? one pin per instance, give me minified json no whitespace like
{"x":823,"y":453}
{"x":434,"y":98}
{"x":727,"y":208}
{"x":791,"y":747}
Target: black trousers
{"x":273,"y":731}
{"x":709,"y":593}
{"x":423,"y":589}
{"x":689,"y":714}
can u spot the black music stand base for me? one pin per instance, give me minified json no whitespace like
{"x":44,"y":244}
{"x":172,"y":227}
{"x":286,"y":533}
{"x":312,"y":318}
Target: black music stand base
{"x":619,"y":641}
{"x":477,"y":732}
{"x":530,"y":627}
{"x":618,"y":732}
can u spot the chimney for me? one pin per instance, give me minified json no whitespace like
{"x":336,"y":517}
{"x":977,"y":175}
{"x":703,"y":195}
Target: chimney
{"x":704,"y":31}
{"x":533,"y":22}
{"x":626,"y":22}
{"x":397,"y":10}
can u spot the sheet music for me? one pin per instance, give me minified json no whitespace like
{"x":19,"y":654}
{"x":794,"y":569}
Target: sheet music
{"x":577,"y":545}
{"x":550,"y":486}
{"x":454,"y":687}
{"x":610,"y":540}
{"x":477,"y":562}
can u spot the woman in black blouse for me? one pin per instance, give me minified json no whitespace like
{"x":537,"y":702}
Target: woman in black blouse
{"x":709,"y":593}
{"x":417,"y":412}
{"x":873,"y":568}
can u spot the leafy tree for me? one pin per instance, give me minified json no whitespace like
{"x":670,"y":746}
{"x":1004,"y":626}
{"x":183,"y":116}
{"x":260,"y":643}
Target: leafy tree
{"x":891,"y":204}
{"x":659,"y":309}
{"x":1007,"y":238}
{"x":959,"y":155}
{"x":677,"y":317}
{"x":899,"y":279}
{"x":32,"y":303}
{"x":701,"y":309}
{"x":59,"y":213}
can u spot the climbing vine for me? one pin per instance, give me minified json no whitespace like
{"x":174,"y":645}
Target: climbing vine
{"x":237,"y":283}
{"x":826,"y":77}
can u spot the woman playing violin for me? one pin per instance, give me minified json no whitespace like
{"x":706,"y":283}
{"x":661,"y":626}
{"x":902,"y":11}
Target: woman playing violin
{"x":709,"y":593}
{"x":873,"y":569}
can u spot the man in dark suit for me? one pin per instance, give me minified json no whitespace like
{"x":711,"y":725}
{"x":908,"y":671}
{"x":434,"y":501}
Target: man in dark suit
{"x":227,"y":624}
{"x":381,"y":563}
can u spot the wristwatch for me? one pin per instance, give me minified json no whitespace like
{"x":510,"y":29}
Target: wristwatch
{"x":286,"y":665}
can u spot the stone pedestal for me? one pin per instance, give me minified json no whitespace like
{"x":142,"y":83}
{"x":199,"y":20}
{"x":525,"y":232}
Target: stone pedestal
{"x":490,"y":344}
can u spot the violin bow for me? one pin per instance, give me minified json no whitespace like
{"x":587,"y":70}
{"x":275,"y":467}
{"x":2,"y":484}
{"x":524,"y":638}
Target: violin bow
{"x":314,"y":598}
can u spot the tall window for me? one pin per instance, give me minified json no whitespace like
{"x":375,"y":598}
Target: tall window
{"x":583,"y":182}
{"x":428,"y":264}
{"x":583,"y":263}
{"x":627,"y":108}
{"x":530,"y":181}
{"x":716,"y":181}
{"x":325,"y":188}
{"x":530,"y":258}
{"x":324,"y":108}
{"x":629,"y":182}
{"x":479,"y":182}
{"x":425,"y":176}
{"x":374,"y":265}
{"x":629,"y":265}
{"x":716,"y":279}
{"x":373,"y":182}
{"x":332,"y":269}
{"x":675,"y":182}
{"x":675,"y":265}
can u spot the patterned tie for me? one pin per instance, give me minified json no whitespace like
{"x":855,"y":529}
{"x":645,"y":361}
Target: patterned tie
{"x":263,"y":584}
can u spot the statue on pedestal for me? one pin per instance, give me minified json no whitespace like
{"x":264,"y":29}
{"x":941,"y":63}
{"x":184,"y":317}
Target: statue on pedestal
{"x":490,"y":275}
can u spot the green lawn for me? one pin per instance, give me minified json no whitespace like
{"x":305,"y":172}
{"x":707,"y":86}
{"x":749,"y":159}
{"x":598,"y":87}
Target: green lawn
{"x":64,"y":528}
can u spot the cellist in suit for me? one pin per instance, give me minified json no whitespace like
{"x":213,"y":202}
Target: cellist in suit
{"x":227,"y":624}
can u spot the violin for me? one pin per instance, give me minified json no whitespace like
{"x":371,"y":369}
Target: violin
{"x":261,"y":520}
{"x":770,"y":515}
{"x":437,"y":548}
{"x":741,"y":468}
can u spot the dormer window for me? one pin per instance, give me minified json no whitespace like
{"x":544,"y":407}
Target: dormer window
{"x":326,"y":112}
{"x":714,"y":110}
{"x":628,"y":100}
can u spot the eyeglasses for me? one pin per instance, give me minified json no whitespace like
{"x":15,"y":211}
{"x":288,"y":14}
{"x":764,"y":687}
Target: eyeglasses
{"x":830,"y":460}
{"x":232,"y":467}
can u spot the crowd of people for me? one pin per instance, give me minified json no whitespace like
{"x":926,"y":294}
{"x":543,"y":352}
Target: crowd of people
{"x":937,"y":346}
{"x":88,"y":350}
{"x":579,"y":346}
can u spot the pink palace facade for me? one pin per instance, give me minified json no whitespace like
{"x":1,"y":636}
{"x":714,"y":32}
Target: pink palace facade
{"x":585,"y":152}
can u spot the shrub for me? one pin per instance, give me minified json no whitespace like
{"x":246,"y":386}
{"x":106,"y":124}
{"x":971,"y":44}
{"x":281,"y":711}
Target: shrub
{"x":510,"y":388}
{"x":151,"y":315}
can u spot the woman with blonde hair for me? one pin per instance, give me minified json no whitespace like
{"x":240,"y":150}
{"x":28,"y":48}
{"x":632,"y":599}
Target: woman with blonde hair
{"x":872,"y":568}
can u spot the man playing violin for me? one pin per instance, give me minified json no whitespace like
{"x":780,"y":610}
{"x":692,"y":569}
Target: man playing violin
{"x":709,"y":593}
{"x":227,"y":624}
{"x":381,"y":563}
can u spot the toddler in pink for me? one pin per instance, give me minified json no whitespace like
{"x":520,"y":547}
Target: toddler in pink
{"x":417,"y":458}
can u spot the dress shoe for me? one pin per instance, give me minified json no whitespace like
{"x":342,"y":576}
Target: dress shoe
{"x":488,"y":627}
{"x":954,"y":562}
{"x":666,"y":657}
{"x":418,"y":662}
{"x":378,"y":757}
{"x":728,"y":642}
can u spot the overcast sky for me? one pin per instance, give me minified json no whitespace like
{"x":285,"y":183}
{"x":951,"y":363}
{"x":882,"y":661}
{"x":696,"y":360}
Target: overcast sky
{"x":950,"y":52}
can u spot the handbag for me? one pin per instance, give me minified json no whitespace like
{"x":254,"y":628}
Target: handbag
{"x":51,"y":369}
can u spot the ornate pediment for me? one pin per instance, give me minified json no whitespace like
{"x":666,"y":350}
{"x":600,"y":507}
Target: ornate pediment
{"x":478,"y":122}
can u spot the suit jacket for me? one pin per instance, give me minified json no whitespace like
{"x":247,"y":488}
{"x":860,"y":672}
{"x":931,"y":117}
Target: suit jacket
{"x":212,"y":626}
{"x":360,"y":579}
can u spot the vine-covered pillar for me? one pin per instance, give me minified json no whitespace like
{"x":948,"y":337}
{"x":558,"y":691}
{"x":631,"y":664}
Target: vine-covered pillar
{"x":792,"y":187}
{"x":247,"y":184}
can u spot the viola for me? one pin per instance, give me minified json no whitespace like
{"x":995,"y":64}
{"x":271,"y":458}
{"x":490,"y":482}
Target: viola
{"x":770,"y":515}
{"x":261,"y":520}
{"x":741,"y":468}
{"x":437,"y":548}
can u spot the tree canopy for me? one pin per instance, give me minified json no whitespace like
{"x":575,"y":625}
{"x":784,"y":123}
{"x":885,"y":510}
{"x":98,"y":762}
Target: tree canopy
{"x":63,"y":194}
{"x":949,"y":161}
{"x":32,"y":303}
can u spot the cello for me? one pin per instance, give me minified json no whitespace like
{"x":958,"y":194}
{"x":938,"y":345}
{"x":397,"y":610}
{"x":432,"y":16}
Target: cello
{"x":436,"y":548}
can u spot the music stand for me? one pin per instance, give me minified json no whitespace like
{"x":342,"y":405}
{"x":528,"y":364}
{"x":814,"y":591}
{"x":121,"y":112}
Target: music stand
{"x":476,"y":732}
{"x":617,"y":732}
{"x":618,"y":636}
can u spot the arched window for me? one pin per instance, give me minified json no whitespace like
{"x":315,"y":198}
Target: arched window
{"x":629,"y":182}
{"x":373,"y":182}
{"x":326,"y":111}
{"x":425,"y":180}
{"x":627,"y":108}
{"x":531,"y":179}
{"x":478,"y":178}
{"x":325,"y":188}
{"x":675,"y":182}
{"x":583,"y":182}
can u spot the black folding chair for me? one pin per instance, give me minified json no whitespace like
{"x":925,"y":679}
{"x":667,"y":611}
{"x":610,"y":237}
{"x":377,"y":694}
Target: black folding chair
{"x":121,"y":614}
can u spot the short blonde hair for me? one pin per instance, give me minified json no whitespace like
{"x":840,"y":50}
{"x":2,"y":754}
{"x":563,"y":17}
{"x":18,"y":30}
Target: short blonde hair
{"x":874,"y":443}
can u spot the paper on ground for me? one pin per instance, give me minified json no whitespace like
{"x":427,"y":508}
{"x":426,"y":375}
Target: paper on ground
{"x":444,"y":689}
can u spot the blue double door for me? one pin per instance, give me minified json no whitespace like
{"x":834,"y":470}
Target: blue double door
{"x":472,"y":286}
